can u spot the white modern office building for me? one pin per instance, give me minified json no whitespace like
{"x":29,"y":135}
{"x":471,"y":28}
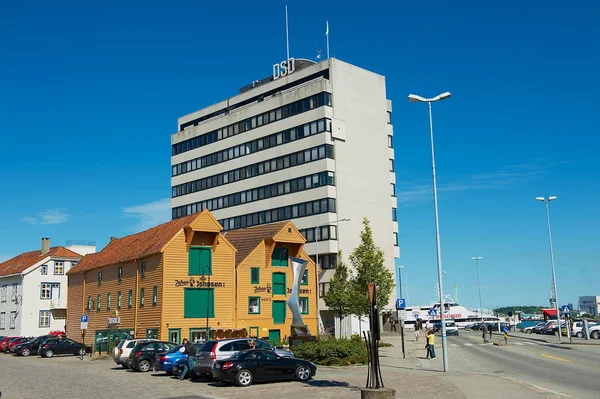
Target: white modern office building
{"x":312,"y":143}
{"x":33,"y":289}
{"x":590,"y":305}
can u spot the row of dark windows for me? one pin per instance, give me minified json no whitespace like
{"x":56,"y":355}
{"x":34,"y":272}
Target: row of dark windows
{"x":295,"y":108}
{"x":316,"y":207}
{"x":256,"y":194}
{"x":321,"y":233}
{"x":260,"y":168}
{"x":263,"y":143}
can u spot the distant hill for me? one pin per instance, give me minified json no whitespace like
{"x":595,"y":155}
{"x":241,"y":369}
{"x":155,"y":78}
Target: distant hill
{"x":523,"y":309}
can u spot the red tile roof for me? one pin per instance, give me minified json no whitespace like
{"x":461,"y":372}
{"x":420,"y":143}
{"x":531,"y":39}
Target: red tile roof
{"x":134,"y":246}
{"x":22,"y":262}
{"x":245,"y":240}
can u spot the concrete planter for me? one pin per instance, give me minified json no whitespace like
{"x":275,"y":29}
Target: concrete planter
{"x":372,"y":393}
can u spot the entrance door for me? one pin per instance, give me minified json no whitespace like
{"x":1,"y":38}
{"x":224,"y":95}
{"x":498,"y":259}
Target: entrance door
{"x":55,"y":291}
{"x":274,"y":337}
{"x":278,"y":312}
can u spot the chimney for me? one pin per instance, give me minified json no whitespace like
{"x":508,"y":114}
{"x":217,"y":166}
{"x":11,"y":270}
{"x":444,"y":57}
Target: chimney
{"x":45,"y":245}
{"x":113,"y":238}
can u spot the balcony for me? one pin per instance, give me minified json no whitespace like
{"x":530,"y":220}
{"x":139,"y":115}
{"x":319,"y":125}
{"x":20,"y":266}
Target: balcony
{"x":58,"y":303}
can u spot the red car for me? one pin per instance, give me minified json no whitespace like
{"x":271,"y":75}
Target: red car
{"x":4,"y":342}
{"x":11,"y":344}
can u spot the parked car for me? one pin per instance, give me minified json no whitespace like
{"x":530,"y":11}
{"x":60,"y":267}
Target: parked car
{"x":595,"y":331}
{"x":224,"y":349}
{"x":166,"y":361}
{"x":143,"y":355}
{"x":121,"y":356}
{"x":577,"y":329}
{"x":245,"y":367}
{"x":530,"y":329}
{"x":27,"y":348}
{"x":5,"y":342}
{"x":62,"y":346}
{"x":11,"y":344}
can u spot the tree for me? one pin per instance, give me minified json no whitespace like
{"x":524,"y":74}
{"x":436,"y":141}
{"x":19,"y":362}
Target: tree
{"x":338,"y":297}
{"x":368,"y":261}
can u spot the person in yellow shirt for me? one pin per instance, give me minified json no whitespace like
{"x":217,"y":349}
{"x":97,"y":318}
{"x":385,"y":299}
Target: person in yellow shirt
{"x":431,"y":343}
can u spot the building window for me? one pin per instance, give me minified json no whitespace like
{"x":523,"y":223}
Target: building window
{"x":89,"y":303}
{"x":389,"y":117}
{"x":390,"y":143}
{"x":44,"y":270}
{"x":142,"y":269}
{"x":15,"y":291}
{"x":200,"y":261}
{"x":59,"y":268}
{"x":44,"y":321}
{"x":326,"y":261}
{"x":393,"y":189}
{"x":119,"y":300}
{"x":3,"y":293}
{"x":196,"y":301}
{"x":298,"y":107}
{"x":120,"y":274}
{"x":130,"y":299}
{"x":13,"y":318}
{"x":303,"y":301}
{"x":46,"y":291}
{"x":98,"y":303}
{"x":279,"y":256}
{"x":278,"y":283}
{"x":154,"y":295}
{"x":323,"y":288}
{"x":254,"y":275}
{"x":108,"y":301}
{"x":391,"y":165}
{"x":254,"y":305}
{"x":141,"y":297}
{"x":394,"y":215}
{"x":99,"y":279}
{"x":395,"y":239}
{"x":3,"y":321}
{"x":305,"y":278}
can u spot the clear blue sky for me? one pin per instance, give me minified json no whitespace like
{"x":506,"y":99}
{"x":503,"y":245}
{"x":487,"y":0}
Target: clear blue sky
{"x":90,"y":94}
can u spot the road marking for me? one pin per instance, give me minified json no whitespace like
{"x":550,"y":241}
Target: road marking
{"x":555,"y":358}
{"x":453,"y":344}
{"x":519,"y":343}
{"x":467,"y":344}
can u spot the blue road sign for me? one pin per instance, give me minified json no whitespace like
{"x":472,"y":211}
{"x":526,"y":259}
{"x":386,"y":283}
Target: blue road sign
{"x":566,"y":309}
{"x":400,"y":303}
{"x":84,"y":318}
{"x":432,"y":312}
{"x":505,"y":330}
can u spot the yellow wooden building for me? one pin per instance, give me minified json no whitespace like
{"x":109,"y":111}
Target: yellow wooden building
{"x":185,"y":278}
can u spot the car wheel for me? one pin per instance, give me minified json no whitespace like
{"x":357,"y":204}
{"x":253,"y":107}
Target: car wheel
{"x":144,"y":366}
{"x":25,"y":352}
{"x":81,"y":352}
{"x":244,"y":378}
{"x":579,"y":334}
{"x":529,"y":331}
{"x":594,"y":334}
{"x":169,"y":373}
{"x":49,"y":353}
{"x":303,"y":373}
{"x":124,"y":365}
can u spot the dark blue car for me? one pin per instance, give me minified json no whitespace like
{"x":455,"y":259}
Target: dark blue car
{"x":166,"y":361}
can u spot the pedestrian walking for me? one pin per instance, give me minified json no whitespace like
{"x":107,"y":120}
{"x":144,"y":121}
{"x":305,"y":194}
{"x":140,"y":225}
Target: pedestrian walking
{"x":431,"y":344}
{"x":483,"y":333}
{"x":393,"y":324}
{"x":491,"y":329}
{"x":190,"y":350}
{"x":418,"y":325}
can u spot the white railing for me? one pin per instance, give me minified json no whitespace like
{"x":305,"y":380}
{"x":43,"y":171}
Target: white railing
{"x":58,"y":303}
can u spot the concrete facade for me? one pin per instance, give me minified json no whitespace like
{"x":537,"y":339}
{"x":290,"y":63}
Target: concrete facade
{"x":590,"y":304}
{"x":358,"y":128}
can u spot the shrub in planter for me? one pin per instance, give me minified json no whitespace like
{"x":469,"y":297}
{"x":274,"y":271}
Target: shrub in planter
{"x":333,"y":352}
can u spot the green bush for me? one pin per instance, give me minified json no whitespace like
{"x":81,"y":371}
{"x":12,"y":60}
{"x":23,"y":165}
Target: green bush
{"x":333,"y":352}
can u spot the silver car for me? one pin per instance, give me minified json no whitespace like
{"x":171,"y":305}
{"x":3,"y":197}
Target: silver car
{"x":224,"y":349}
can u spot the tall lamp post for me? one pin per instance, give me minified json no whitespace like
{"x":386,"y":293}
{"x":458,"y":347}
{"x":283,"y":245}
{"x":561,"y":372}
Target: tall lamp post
{"x":477,"y":259}
{"x":418,"y":99}
{"x":318,"y":234}
{"x":203,"y":278}
{"x":400,"y":279}
{"x":546,"y":201}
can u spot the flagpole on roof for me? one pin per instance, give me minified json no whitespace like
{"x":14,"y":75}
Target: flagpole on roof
{"x":327,"y":34}
{"x":287,"y":37}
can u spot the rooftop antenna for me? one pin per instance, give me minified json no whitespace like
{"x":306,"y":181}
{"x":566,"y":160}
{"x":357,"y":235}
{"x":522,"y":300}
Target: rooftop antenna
{"x":319,"y":54}
{"x":287,"y":35}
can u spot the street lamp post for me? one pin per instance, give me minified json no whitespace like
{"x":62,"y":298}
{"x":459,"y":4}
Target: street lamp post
{"x":416,"y":99}
{"x":207,"y":297}
{"x":400,"y":279}
{"x":546,"y":201}
{"x":318,"y":233}
{"x":477,"y":259}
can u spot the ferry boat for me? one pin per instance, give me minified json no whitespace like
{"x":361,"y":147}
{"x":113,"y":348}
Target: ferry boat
{"x":452,"y":311}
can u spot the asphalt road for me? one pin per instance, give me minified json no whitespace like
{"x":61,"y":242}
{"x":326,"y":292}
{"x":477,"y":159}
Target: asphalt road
{"x":566,"y":370}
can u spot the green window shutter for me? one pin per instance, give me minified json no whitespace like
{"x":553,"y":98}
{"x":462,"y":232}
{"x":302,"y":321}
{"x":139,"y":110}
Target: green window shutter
{"x":284,"y":257}
{"x":254,"y":275}
{"x":141,"y":297}
{"x":278,"y":282}
{"x":194,"y":261}
{"x":195,"y":302}
{"x":278,"y":311}
{"x":206,"y":260}
{"x":154,"y":295}
{"x":200,"y":261}
{"x":305,"y":278}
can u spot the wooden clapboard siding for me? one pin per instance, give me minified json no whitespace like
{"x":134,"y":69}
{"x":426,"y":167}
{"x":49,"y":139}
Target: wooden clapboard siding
{"x":75,"y":305}
{"x":149,"y":316}
{"x":176,"y":268}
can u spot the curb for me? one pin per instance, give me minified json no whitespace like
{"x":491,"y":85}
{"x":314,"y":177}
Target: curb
{"x":529,"y":339}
